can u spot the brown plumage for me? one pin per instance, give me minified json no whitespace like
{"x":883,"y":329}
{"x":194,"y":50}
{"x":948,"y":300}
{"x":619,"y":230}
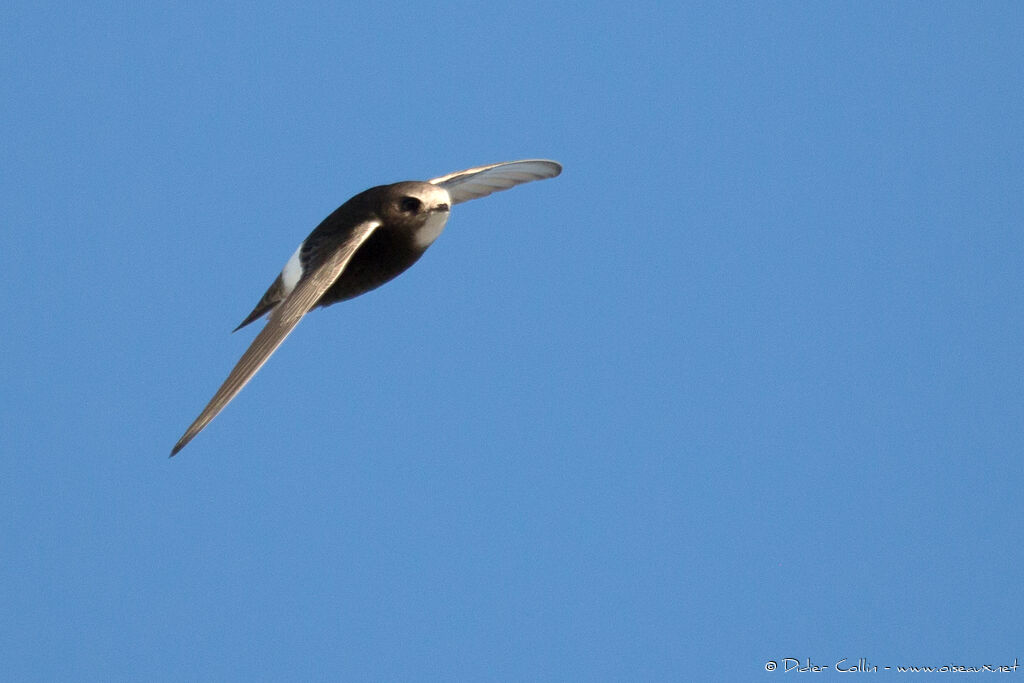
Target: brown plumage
{"x":368,"y":240}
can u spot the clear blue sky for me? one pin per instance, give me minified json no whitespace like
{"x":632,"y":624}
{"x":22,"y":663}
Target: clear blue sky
{"x":744,"y":383}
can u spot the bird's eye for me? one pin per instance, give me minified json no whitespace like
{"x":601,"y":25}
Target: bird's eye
{"x":410,"y":204}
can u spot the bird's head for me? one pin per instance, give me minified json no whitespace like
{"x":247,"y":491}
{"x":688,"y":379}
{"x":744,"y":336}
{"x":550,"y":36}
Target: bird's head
{"x":421,"y":209}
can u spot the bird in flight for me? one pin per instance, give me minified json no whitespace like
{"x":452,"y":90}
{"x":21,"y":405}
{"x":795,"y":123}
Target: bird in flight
{"x":367,"y":241}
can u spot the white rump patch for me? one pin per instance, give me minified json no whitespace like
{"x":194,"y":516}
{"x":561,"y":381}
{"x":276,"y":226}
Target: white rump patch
{"x":292,"y":272}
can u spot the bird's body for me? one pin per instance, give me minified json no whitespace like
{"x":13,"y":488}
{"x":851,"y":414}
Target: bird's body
{"x":369,"y":240}
{"x":387,"y":252}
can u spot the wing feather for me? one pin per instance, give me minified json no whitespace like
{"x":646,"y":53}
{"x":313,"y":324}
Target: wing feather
{"x":481,"y":181}
{"x":281,"y":322}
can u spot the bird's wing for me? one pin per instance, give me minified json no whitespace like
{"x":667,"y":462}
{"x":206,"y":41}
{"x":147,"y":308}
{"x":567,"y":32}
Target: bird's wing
{"x":282,"y":321}
{"x":481,"y":181}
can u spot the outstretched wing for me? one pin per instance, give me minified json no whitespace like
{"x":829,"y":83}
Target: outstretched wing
{"x":481,"y":181}
{"x":282,"y":321}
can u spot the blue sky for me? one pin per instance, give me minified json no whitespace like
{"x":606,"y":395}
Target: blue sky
{"x":744,"y":383}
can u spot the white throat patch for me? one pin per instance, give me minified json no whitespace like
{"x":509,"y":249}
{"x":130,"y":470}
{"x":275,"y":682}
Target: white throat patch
{"x":433,"y":226}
